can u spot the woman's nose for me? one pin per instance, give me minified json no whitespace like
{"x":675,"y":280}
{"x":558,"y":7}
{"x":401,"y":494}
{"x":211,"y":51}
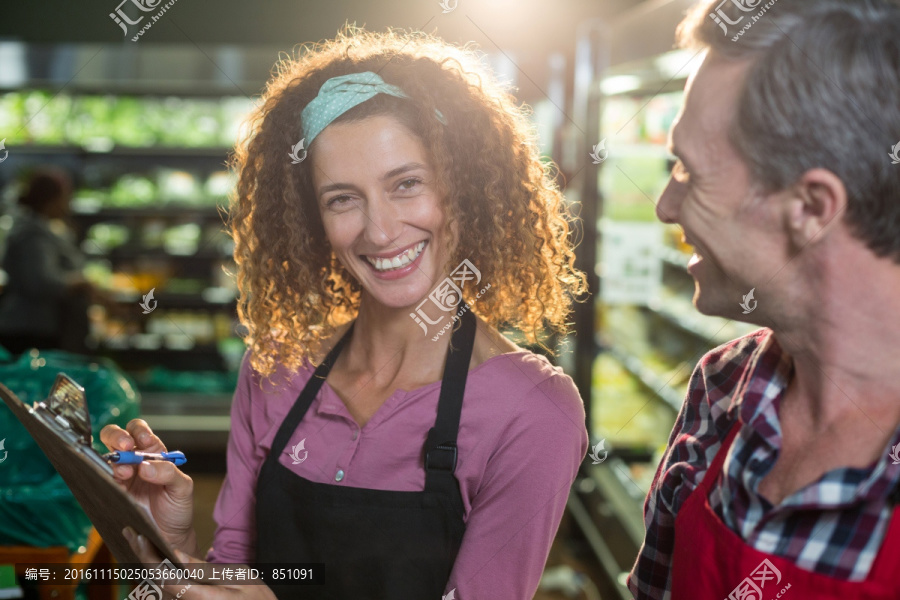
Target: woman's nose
{"x":383,"y":221}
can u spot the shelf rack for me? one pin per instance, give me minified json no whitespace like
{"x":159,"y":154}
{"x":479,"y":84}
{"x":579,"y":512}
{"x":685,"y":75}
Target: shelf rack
{"x":651,"y":380}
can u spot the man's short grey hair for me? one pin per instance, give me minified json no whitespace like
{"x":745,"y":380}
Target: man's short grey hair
{"x":823,"y":91}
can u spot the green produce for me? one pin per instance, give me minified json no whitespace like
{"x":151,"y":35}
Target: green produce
{"x":46,"y":116}
{"x":103,"y":237}
{"x":89,"y":200}
{"x":234,"y":112}
{"x":91,"y":120}
{"x":133,"y":190}
{"x":36,"y":507}
{"x":190,"y":123}
{"x":179,"y":186}
{"x":182,"y":239}
{"x":185,"y":285}
{"x":220,"y":184}
{"x":99,"y":122}
{"x":99,"y":272}
{"x":129,"y":125}
{"x":12,"y":118}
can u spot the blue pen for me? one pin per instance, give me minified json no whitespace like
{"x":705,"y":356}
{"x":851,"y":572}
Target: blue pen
{"x":123,"y":457}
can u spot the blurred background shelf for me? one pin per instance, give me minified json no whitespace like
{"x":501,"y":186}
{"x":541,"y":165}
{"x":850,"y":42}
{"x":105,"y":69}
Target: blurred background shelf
{"x":113,"y":151}
{"x":674,"y":258}
{"x":124,"y":252}
{"x":657,"y":384}
{"x":198,"y":421}
{"x":160,"y":210}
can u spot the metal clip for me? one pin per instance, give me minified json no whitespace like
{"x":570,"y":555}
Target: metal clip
{"x":65,"y":411}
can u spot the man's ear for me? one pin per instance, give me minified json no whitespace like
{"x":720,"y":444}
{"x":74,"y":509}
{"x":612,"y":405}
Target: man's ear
{"x":816,"y":204}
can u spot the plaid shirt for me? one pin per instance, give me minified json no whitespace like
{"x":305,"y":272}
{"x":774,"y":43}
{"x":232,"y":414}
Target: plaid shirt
{"x":834,"y":526}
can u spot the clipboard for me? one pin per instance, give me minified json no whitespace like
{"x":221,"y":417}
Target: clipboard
{"x":61,"y":426}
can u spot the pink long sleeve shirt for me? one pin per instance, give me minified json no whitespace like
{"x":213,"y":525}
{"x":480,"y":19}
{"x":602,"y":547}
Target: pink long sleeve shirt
{"x":521,"y":440}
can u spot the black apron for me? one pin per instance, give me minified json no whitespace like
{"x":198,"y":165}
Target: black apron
{"x":375,"y":544}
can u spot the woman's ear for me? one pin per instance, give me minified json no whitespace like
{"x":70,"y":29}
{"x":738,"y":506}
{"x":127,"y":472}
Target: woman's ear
{"x":817,"y":203}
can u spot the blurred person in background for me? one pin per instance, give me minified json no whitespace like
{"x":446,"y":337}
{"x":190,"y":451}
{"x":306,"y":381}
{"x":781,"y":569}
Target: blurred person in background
{"x":781,"y":475}
{"x":44,"y":303}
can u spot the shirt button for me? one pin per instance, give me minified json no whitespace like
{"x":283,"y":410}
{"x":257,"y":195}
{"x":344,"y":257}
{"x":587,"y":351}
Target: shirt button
{"x":339,"y":475}
{"x":355,"y":434}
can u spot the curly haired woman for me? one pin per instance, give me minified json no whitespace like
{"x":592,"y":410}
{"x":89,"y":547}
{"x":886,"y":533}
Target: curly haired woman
{"x":411,"y":463}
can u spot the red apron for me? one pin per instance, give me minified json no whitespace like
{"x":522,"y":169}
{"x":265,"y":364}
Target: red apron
{"x":711,"y":562}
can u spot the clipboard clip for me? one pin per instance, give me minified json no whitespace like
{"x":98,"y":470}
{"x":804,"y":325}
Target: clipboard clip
{"x":65,"y":412}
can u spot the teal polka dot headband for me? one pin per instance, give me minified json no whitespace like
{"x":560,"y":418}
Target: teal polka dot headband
{"x":340,"y":94}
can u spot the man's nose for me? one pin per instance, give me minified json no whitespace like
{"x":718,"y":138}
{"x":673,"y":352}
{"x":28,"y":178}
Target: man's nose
{"x":669,"y":205}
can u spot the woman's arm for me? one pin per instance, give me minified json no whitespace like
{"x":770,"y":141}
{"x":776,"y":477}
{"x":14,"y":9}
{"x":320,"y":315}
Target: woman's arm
{"x":517,"y":509}
{"x":235,"y":511}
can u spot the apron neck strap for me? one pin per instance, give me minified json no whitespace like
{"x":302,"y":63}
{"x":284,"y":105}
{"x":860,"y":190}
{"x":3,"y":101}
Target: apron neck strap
{"x":440,"y":446}
{"x":715,"y":467}
{"x":304,"y":400}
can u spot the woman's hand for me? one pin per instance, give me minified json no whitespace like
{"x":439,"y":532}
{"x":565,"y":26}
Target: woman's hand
{"x":157,"y":485}
{"x":195,"y":591}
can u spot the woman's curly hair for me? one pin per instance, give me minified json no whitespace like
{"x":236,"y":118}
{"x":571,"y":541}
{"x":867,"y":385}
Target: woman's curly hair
{"x":498,"y":196}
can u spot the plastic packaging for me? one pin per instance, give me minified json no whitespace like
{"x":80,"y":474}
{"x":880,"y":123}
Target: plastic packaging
{"x":36,"y":507}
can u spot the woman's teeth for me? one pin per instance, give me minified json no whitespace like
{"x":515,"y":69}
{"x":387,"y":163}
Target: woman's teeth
{"x":401,"y":260}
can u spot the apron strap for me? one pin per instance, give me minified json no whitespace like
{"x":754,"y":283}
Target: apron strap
{"x":715,"y":467}
{"x":440,"y":445}
{"x":306,"y":397}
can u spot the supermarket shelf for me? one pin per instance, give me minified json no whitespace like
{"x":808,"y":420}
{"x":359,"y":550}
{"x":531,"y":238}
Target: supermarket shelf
{"x":650,"y":379}
{"x":694,"y":324}
{"x":150,"y":151}
{"x":168,"y":300}
{"x":161,"y":352}
{"x":166,"y":402}
{"x":189,"y":421}
{"x":647,"y":150}
{"x":123,"y":252}
{"x":192,"y":423}
{"x":623,"y":496}
{"x":154,"y":88}
{"x":200,"y":357}
{"x":598,"y":545}
{"x":675,"y":258}
{"x":606,"y":500}
{"x":159,"y":210}
{"x":192,"y":434}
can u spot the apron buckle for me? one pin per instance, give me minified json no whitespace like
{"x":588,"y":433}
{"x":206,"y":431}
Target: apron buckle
{"x":443,"y":461}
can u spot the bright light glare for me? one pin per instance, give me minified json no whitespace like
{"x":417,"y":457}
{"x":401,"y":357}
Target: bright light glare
{"x":677,"y":63}
{"x":12,"y":57}
{"x":619,"y":84}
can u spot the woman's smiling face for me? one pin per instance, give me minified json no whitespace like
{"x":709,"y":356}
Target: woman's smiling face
{"x":380,"y":206}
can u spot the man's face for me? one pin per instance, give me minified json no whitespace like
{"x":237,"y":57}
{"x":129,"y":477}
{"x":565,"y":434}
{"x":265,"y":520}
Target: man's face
{"x":735,"y":232}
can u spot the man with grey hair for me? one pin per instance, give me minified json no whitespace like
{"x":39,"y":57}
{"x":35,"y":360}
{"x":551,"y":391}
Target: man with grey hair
{"x":781,"y":475}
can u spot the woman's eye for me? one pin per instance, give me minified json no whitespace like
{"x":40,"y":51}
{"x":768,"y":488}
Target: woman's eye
{"x":680,"y":174}
{"x":408,"y":184}
{"x":337,"y":201}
